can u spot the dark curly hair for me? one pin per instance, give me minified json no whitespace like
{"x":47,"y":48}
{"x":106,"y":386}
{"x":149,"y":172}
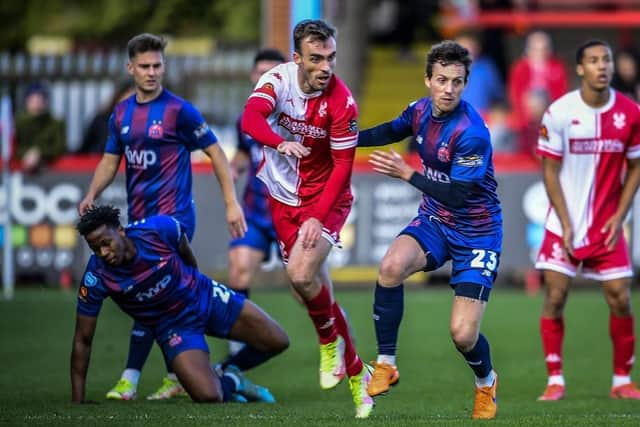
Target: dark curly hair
{"x":446,"y":53}
{"x":97,"y":216}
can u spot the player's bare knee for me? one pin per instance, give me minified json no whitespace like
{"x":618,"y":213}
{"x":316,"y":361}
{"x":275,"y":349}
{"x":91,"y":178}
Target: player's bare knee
{"x":205,"y":396}
{"x":391,"y":270}
{"x":463,"y":338}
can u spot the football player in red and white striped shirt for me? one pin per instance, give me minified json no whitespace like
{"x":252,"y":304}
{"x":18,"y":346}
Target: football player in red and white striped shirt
{"x":306,"y":118}
{"x":590,"y":145}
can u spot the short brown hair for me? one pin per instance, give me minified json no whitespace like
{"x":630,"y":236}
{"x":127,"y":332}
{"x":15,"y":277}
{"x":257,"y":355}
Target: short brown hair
{"x":145,"y":42}
{"x":317,"y":29}
{"x":446,"y":53}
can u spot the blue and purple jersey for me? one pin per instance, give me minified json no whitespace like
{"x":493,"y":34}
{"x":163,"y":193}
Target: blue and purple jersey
{"x":157,"y":288}
{"x":455,"y":147}
{"x":157,"y":138}
{"x":255,"y":200}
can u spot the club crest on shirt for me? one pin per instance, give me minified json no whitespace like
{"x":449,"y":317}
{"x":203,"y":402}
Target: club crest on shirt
{"x":82,"y":293}
{"x":175,"y":340}
{"x":619,"y":120}
{"x":155,"y":130}
{"x":443,"y":153}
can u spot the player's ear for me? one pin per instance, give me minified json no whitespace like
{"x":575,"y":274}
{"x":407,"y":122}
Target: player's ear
{"x":130,"y":67}
{"x":427,"y":81}
{"x":297,"y":58}
{"x":121,"y":230}
{"x":580,"y":70}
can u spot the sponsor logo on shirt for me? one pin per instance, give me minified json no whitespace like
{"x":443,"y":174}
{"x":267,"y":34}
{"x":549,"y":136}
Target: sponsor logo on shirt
{"x":82,"y":293}
{"x":155,"y":130}
{"x":436,"y":175}
{"x":90,"y":279}
{"x":300,"y":127}
{"x":201,"y":130}
{"x":154,"y":291}
{"x":543,"y":133}
{"x":594,"y":145}
{"x":470,"y":161}
{"x":140,"y":159}
{"x":353,"y":126}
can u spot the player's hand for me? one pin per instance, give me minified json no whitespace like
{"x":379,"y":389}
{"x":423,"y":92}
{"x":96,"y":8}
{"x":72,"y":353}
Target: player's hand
{"x":235,"y":221}
{"x":293,"y":148}
{"x":391,"y":164}
{"x":567,"y":239}
{"x":310,"y":233}
{"x":613,"y":228}
{"x":85,"y":204}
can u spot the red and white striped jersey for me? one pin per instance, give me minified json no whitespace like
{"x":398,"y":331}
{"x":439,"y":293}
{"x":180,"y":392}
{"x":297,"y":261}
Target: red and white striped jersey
{"x":325,"y":121}
{"x":592,"y":145}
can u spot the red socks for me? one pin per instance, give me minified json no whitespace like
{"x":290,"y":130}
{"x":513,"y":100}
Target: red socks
{"x":321,"y":313}
{"x":351,"y":358}
{"x":623,"y":339}
{"x":552,"y":332}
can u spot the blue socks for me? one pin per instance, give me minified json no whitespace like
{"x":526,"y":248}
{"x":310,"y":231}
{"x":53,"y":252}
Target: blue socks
{"x":139,"y":346}
{"x":388,"y":307}
{"x":479,"y":358}
{"x":247,"y":358}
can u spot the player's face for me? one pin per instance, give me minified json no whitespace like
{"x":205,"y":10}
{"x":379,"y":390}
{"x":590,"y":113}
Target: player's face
{"x":596,"y":68}
{"x":260,"y":68}
{"x":316,"y":63}
{"x":108,"y":243}
{"x":147,"y":69}
{"x":446,"y":83}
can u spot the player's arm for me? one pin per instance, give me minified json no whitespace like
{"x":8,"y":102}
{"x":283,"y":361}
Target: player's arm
{"x":551,"y":176}
{"x":186,"y":253}
{"x":389,"y":132}
{"x":105,"y":172}
{"x":454,"y":193}
{"x":242,"y":158}
{"x":80,"y":354}
{"x":257,"y":110}
{"x":235,"y":217}
{"x":613,"y":226}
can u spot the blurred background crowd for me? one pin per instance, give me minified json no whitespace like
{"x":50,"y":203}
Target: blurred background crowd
{"x":63,"y":62}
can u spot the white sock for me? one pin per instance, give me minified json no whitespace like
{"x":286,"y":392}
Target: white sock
{"x":486,"y":381}
{"x":555,"y":380}
{"x":387,"y":358}
{"x":619,"y":380}
{"x":172,"y":376}
{"x":132,"y":375}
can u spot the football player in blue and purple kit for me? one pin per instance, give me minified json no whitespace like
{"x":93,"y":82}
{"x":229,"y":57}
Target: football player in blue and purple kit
{"x":248,"y":252}
{"x":156,"y":131}
{"x":149,"y":271}
{"x":459,"y":219}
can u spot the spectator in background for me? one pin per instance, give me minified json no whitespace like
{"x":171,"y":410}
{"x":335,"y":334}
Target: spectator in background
{"x":533,"y":77}
{"x":97,"y":133}
{"x":40,"y":138}
{"x":485,"y":87}
{"x":625,"y":77}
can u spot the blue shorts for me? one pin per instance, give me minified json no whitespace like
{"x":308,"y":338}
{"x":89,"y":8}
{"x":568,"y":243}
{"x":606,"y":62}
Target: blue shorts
{"x":474,"y":259}
{"x":258,"y":237}
{"x":223,"y":313}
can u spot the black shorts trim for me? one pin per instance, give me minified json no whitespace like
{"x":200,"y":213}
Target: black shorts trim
{"x":472,"y":290}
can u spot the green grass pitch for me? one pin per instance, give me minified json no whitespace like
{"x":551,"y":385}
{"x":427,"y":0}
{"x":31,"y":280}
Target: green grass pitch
{"x":436,"y":386}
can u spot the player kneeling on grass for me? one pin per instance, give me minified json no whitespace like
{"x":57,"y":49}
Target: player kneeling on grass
{"x":148,"y":269}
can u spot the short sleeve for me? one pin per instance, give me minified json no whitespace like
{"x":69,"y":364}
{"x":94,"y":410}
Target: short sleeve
{"x":633,"y":149}
{"x":193,"y":129}
{"x":91,"y":292}
{"x":550,"y":141}
{"x":114,"y":144}
{"x":471,"y":159}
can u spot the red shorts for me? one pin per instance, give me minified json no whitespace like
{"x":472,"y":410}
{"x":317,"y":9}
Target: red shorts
{"x":288,"y":219}
{"x":597,"y":262}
